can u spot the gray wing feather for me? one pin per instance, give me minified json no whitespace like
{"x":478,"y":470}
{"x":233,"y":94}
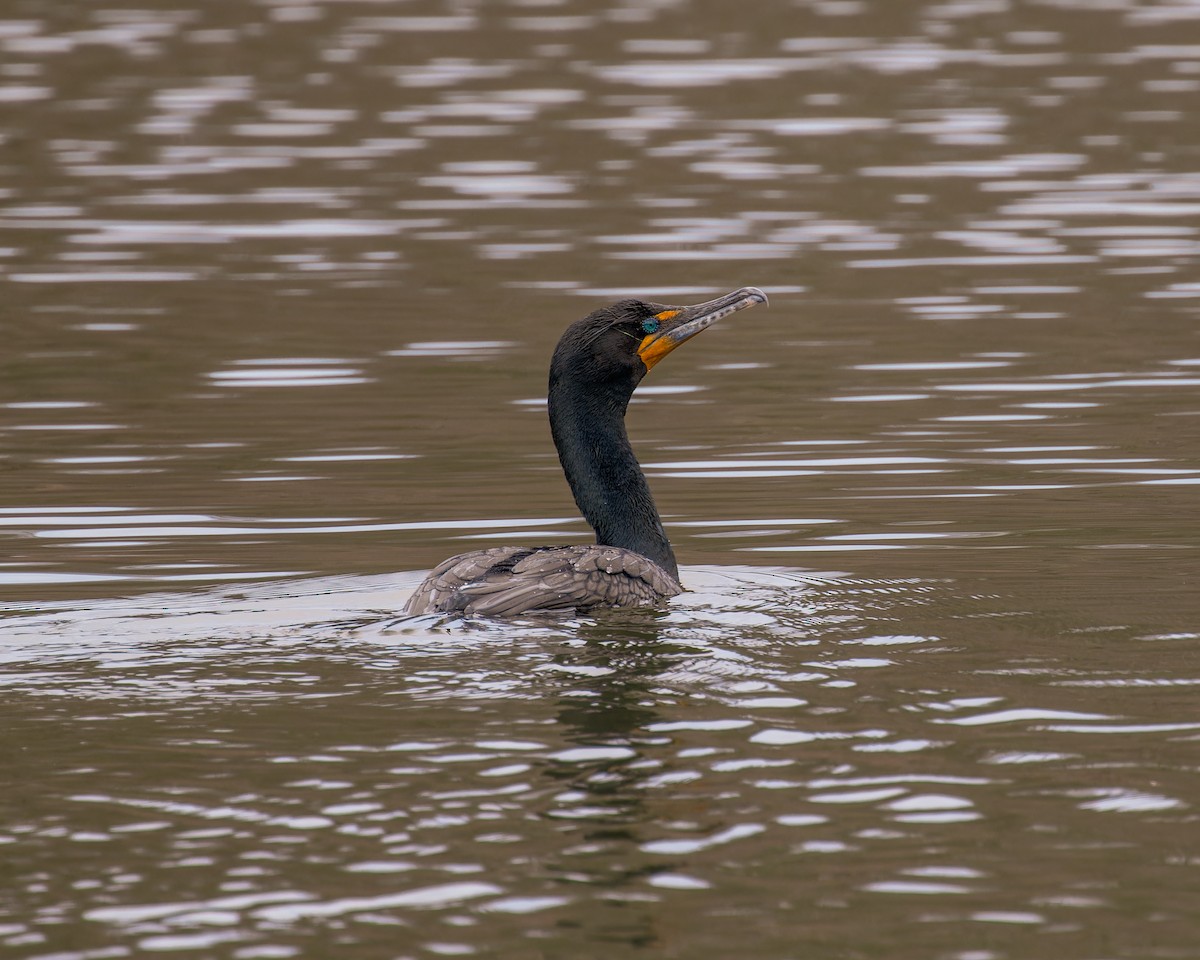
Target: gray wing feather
{"x":491,"y":583}
{"x":450,"y":576}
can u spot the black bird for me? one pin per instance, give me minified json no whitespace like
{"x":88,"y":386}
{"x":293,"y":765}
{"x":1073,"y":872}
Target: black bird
{"x":597,"y":364}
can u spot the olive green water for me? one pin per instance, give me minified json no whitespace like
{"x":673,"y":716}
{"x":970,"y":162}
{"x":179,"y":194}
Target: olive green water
{"x":278,"y":286}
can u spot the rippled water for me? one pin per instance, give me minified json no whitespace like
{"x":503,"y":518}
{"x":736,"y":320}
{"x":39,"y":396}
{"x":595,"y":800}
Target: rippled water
{"x":280,"y":281}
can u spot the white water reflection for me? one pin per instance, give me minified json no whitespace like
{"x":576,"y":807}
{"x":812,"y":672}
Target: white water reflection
{"x":456,"y":349}
{"x":288,"y":372}
{"x":935,"y":365}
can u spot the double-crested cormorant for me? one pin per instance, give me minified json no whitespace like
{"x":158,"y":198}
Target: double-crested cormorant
{"x":597,"y":364}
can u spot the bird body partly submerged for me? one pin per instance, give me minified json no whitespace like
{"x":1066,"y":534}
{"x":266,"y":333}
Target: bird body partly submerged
{"x":505,"y":581}
{"x":597,"y":364}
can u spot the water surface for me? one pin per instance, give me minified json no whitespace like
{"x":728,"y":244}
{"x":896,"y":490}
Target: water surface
{"x":280,"y":285}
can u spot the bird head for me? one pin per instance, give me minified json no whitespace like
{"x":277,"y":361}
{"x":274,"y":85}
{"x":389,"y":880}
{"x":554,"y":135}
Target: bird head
{"x":621,"y":342}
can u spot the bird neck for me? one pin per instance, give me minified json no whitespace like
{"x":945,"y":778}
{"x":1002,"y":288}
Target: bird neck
{"x":588,"y":425}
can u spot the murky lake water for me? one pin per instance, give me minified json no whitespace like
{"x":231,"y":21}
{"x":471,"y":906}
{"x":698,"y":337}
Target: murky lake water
{"x":280,"y":282}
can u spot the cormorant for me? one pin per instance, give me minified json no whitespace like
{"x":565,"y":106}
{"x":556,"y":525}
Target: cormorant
{"x":597,"y":364}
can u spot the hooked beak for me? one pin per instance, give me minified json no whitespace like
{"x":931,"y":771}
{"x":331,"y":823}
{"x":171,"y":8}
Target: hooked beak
{"x":683,"y":323}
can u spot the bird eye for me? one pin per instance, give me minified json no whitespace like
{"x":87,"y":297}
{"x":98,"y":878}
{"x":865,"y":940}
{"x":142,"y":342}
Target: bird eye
{"x":650,"y":324}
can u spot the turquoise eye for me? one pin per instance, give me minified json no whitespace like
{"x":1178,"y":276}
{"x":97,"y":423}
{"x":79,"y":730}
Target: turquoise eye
{"x":650,"y":324}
